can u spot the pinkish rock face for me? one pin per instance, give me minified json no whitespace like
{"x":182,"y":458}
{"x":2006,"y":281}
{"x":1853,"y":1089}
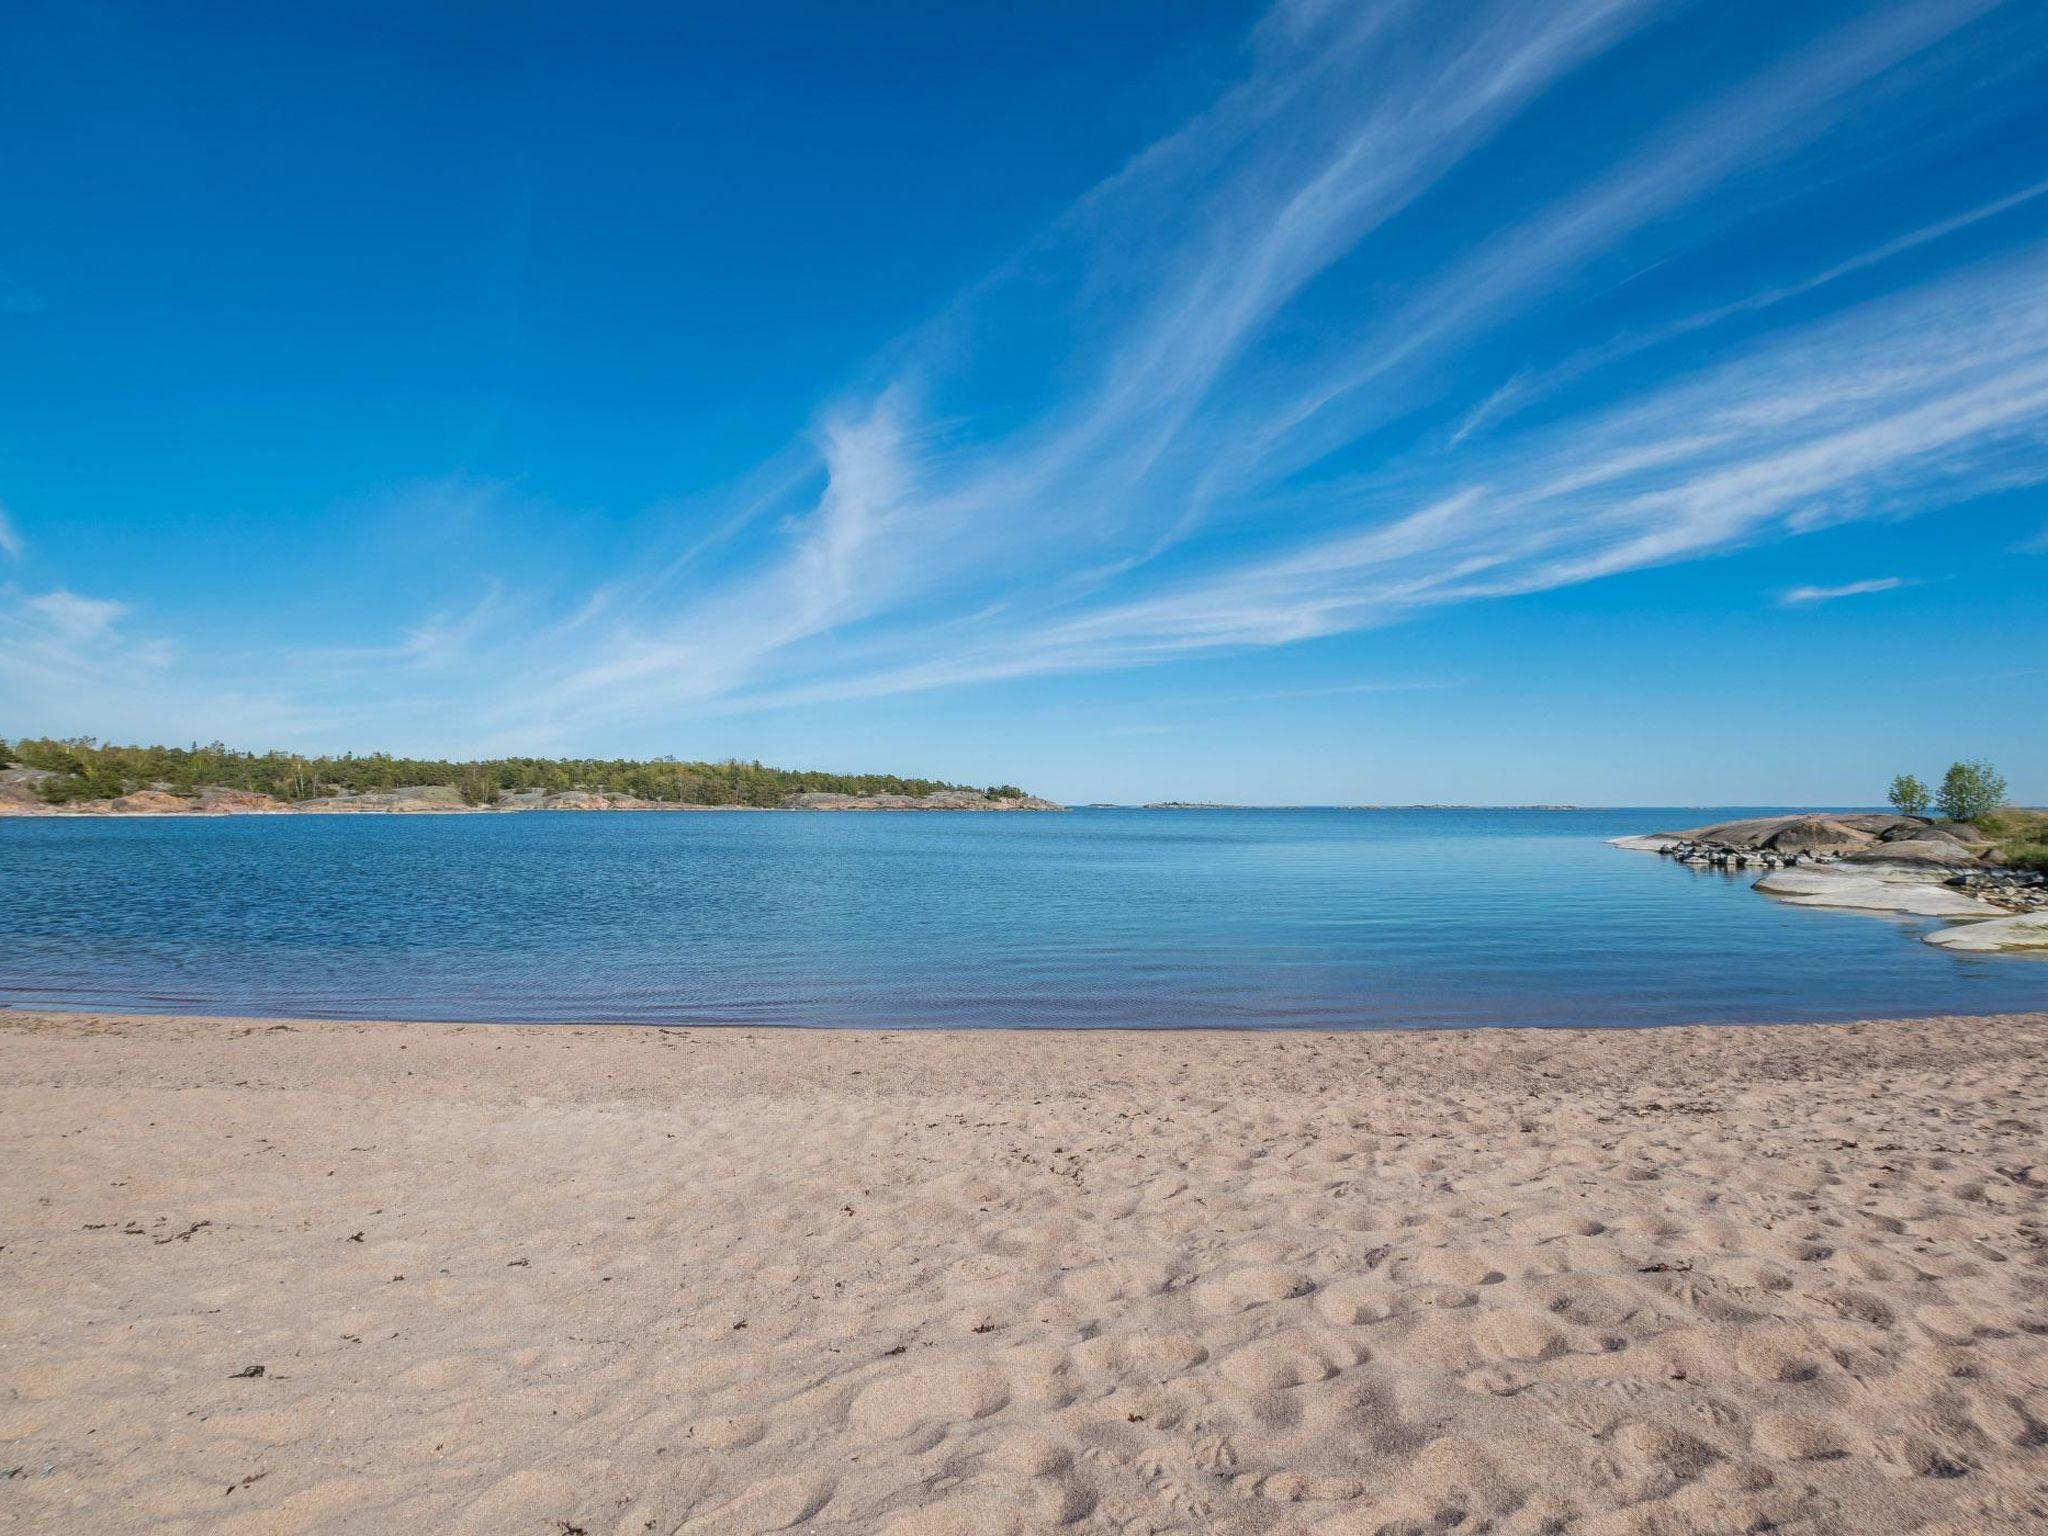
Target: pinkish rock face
{"x":150,"y":802}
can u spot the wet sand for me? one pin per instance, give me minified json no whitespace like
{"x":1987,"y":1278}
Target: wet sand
{"x":296,"y":1277}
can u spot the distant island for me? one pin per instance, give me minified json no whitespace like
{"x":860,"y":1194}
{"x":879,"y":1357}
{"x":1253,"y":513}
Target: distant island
{"x":83,"y":777}
{"x":1218,"y":805}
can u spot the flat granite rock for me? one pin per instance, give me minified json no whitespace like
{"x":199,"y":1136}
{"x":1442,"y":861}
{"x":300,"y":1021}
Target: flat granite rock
{"x":1863,"y":892}
{"x":2027,"y":930}
{"x":1911,"y":853}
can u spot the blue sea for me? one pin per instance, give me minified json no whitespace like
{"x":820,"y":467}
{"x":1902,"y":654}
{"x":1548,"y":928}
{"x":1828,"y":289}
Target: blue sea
{"x":1157,"y":919}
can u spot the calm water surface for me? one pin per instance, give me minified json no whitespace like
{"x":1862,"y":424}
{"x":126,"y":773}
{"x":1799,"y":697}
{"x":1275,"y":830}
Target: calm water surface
{"x":1284,"y":918}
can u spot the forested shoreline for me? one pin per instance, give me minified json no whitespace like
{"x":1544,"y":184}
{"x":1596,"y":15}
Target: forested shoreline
{"x":82,"y":769}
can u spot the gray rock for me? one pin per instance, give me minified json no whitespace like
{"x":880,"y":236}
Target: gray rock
{"x":2029,"y":930}
{"x":1807,"y":832}
{"x":1816,"y":834}
{"x":1867,"y":892}
{"x":1911,"y":853}
{"x":939,"y":800}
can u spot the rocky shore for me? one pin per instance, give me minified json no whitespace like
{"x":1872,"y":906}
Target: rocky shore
{"x":18,"y":797}
{"x":1906,"y":865}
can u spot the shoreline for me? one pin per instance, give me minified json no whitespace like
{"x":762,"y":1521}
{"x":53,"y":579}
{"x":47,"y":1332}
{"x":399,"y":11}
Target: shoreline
{"x":125,"y":1016}
{"x":1879,"y":865}
{"x":730,"y":1279}
{"x":103,"y":814}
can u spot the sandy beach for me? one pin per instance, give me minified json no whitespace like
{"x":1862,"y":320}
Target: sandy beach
{"x":268,"y":1277}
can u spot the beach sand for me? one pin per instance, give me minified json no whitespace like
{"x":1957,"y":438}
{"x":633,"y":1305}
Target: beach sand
{"x":618,"y":1280}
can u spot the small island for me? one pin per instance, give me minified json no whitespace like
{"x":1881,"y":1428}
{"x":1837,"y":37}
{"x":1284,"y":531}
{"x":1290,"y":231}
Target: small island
{"x":82,"y":777}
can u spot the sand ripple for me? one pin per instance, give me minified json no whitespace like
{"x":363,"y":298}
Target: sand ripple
{"x":629,"y":1281}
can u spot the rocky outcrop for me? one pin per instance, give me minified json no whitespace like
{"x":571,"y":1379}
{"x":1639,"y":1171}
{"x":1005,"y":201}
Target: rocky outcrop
{"x":2017,"y":890}
{"x":1808,"y":832}
{"x":588,"y":800}
{"x":18,"y":797}
{"x":939,"y":800}
{"x":152,"y":802}
{"x":1701,"y":853}
{"x":1911,"y":828}
{"x":1871,"y":862}
{"x":413,"y":799}
{"x":218,"y":801}
{"x":2029,"y":930}
{"x":1869,"y":893}
{"x":18,"y":789}
{"x":1816,"y":834}
{"x":1914,"y":853}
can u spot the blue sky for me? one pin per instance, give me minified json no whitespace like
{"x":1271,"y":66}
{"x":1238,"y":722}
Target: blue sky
{"x":1601,"y":401}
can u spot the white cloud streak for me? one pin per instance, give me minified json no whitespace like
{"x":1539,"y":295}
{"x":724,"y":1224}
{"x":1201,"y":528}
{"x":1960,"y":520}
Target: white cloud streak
{"x":1140,"y":480}
{"x":1806,"y":597}
{"x":73,"y":619}
{"x":1524,"y":387}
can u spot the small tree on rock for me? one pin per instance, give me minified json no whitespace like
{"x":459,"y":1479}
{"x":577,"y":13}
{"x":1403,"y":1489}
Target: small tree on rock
{"x":1970,"y":790}
{"x":1909,"y":796}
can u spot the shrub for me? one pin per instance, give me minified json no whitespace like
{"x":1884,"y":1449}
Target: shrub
{"x":1909,"y":796}
{"x":2021,"y":837}
{"x":95,"y":781}
{"x":1970,"y":790}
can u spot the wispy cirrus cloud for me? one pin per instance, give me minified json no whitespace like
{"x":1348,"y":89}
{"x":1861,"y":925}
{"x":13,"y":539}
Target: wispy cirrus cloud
{"x":1170,"y":271}
{"x":1936,"y":394}
{"x":1805,"y":597}
{"x":1183,"y":419}
{"x":1525,"y":386}
{"x":1191,"y":257}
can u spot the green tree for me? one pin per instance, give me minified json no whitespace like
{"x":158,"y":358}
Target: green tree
{"x":85,"y":769}
{"x":1970,"y":790}
{"x":474,"y":782}
{"x":1909,"y":796}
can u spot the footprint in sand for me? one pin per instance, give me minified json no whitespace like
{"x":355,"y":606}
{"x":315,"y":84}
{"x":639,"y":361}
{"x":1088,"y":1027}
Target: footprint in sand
{"x":776,"y":1504}
{"x":1522,"y":1336}
{"x":944,"y":1394}
{"x":1252,"y":1285}
{"x":1289,"y":1359}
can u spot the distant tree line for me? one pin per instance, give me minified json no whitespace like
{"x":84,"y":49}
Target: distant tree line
{"x":87,"y":769}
